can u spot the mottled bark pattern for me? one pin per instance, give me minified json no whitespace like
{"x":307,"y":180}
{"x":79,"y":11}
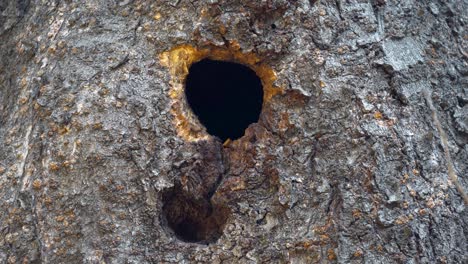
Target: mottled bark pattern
{"x":344,"y":166}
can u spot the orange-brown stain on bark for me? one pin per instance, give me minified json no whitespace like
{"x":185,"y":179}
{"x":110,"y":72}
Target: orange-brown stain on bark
{"x":179,"y":59}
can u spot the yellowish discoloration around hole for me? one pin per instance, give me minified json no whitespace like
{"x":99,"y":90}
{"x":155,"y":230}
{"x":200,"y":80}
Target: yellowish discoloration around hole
{"x":179,"y":59}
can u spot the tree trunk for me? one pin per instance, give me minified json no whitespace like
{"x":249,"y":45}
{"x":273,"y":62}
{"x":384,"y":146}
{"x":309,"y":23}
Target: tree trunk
{"x":362,"y":133}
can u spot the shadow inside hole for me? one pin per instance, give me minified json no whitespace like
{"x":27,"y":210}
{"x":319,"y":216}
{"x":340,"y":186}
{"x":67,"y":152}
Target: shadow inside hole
{"x":192,"y":220}
{"x":226,"y":97}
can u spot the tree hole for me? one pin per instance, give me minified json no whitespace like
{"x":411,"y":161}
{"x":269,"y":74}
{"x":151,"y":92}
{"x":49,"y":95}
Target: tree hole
{"x":192,"y":220}
{"x":226,"y":97}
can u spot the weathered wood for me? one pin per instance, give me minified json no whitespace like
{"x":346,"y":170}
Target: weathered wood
{"x":101,"y":158}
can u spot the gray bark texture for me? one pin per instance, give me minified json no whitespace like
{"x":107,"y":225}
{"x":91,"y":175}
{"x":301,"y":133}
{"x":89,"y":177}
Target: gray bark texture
{"x":347,"y":163}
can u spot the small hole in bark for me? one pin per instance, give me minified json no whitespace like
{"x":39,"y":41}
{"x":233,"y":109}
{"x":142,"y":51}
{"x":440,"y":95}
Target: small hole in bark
{"x":192,"y":220}
{"x":226,"y":97}
{"x":273,"y":26}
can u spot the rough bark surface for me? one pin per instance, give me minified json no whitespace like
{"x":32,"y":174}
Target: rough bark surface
{"x":345,"y":164}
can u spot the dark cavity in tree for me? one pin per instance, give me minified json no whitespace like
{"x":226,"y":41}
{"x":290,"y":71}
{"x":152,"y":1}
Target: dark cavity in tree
{"x":191,"y":219}
{"x":227,"y":97}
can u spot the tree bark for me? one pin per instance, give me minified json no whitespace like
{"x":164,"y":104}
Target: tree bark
{"x":102,"y":160}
